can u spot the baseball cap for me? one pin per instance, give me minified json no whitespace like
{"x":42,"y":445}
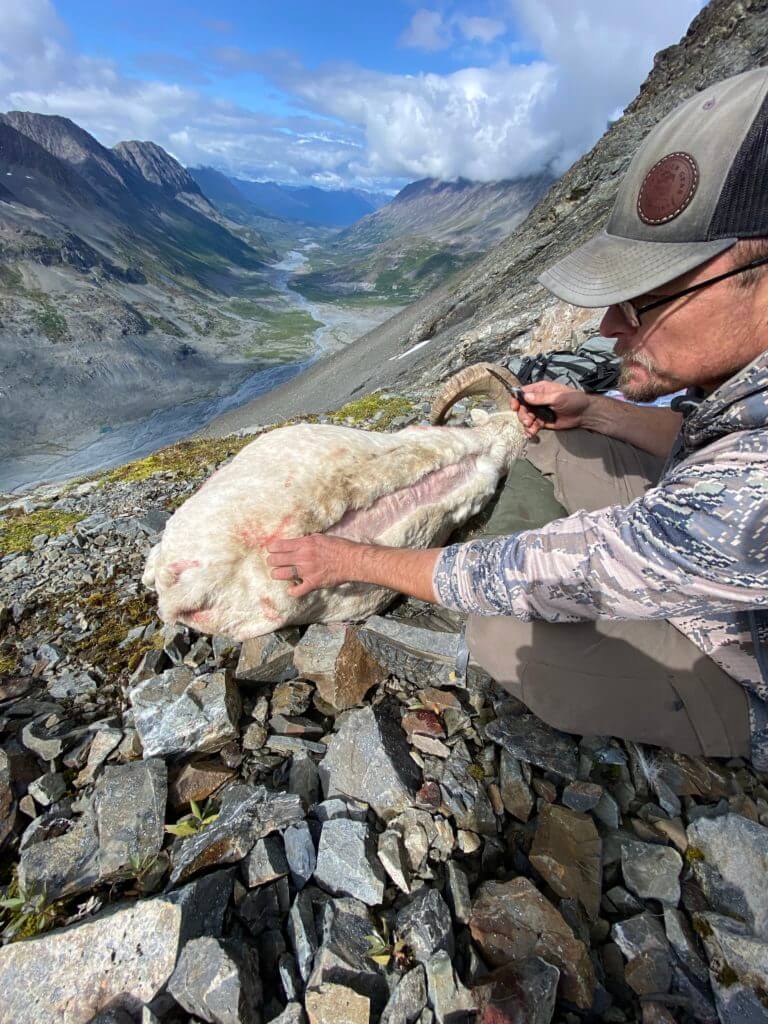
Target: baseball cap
{"x":696,"y":185}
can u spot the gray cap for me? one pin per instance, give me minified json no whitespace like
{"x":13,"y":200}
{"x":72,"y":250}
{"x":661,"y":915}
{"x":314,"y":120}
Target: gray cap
{"x":696,"y":186}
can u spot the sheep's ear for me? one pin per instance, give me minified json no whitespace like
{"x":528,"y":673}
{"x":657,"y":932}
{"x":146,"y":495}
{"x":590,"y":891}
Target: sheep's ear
{"x":479,"y":417}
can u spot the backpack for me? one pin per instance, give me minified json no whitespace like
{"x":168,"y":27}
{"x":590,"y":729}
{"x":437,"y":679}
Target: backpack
{"x":590,"y":367}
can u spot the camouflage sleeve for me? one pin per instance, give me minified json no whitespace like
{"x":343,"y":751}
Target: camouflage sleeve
{"x":696,"y":544}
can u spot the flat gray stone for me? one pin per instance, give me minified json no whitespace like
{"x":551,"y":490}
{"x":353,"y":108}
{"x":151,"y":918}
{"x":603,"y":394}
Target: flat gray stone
{"x":466,"y":798}
{"x":529,"y":739}
{"x":346,"y":862}
{"x":652,"y":872}
{"x":582,"y":796}
{"x":265,"y":659}
{"x":392,"y":856}
{"x":60,"y":855}
{"x":731,"y":868}
{"x":217,"y":981}
{"x":121,"y":958}
{"x":48,"y":789}
{"x":369,"y":759}
{"x":265,"y":862}
{"x":302,"y":933}
{"x":408,"y":999}
{"x":247,"y":813}
{"x":178,"y":713}
{"x":425,"y":925}
{"x":300,"y":853}
{"x":129,"y":801}
{"x":457,"y":891}
{"x":516,"y":794}
{"x":343,"y":957}
{"x":738,"y":963}
{"x":449,"y":999}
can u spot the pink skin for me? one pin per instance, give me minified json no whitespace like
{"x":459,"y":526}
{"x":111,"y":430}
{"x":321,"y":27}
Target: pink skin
{"x":177,"y":568}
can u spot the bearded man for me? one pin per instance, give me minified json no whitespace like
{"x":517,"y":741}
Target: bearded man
{"x":621,"y":585}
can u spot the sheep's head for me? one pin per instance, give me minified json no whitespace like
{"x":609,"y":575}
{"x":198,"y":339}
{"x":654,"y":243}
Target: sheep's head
{"x":479,"y":379}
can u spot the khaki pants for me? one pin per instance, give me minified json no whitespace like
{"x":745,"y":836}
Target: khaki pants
{"x":641,"y":680}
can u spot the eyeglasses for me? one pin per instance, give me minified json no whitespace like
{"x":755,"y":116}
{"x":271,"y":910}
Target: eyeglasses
{"x":633,"y":313}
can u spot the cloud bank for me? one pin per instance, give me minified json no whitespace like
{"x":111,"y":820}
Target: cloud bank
{"x":494,"y":117}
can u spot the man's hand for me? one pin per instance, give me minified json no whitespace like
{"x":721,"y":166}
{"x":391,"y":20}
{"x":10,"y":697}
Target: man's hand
{"x":568,"y":404}
{"x":319,"y":561}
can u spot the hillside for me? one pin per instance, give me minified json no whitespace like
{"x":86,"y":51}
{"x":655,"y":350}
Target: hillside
{"x":496,"y":306}
{"x":429,"y":231}
{"x":331,"y":208}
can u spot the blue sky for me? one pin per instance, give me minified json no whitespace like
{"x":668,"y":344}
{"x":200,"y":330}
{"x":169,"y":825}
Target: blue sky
{"x":323,"y":91}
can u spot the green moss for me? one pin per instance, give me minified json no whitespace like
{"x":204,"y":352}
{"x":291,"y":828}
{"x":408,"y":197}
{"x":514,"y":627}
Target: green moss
{"x":10,"y":277}
{"x":693,"y":853}
{"x":113,"y":616}
{"x":701,"y":927}
{"x":187,"y":458}
{"x":386,"y":408}
{"x":726,"y":976}
{"x":7,"y":664}
{"x":17,"y":531}
{"x":52,"y":324}
{"x":160,"y":323}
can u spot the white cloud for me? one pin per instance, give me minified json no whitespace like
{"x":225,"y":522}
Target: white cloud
{"x":482,"y":30}
{"x":362,"y":126}
{"x":426,"y":31}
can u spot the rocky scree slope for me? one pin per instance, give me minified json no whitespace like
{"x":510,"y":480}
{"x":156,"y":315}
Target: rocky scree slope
{"x":328,"y":823}
{"x":497,"y":307}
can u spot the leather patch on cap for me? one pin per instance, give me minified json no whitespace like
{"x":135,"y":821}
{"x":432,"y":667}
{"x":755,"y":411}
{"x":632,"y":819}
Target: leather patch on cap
{"x":667,"y":188}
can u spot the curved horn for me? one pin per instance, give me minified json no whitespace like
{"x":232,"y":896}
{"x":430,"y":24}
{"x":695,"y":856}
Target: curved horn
{"x":478,"y":379}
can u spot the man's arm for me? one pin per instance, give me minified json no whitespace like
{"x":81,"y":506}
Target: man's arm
{"x":651,"y":429}
{"x":322,"y":561}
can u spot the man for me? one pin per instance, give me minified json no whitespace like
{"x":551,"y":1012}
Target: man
{"x":622,"y":583}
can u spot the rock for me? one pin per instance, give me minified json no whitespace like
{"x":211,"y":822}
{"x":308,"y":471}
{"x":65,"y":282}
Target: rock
{"x":300,"y":853}
{"x":295,"y":726}
{"x":515,"y":791}
{"x":265,"y":862}
{"x":122,"y":958}
{"x":347,"y":864}
{"x":424,"y":925}
{"x":105,"y":742}
{"x":567,"y":852}
{"x":333,"y":657}
{"x":291,"y":698}
{"x":7,"y":806}
{"x":292,"y":1014}
{"x":607,"y":811}
{"x":177,"y":713}
{"x":457,"y":891}
{"x":368,"y":759}
{"x":512,"y":920}
{"x":48,"y":742}
{"x":682,"y":940}
{"x":529,"y":739}
{"x":326,"y":810}
{"x":197,"y":780}
{"x":60,"y":855}
{"x":336,"y":1004}
{"x":729,"y":855}
{"x":582,"y":796}
{"x":430,"y":746}
{"x":392,"y":856}
{"x":129,"y":801}
{"x":304,"y":779}
{"x":422,"y":723}
{"x":265,"y":659}
{"x":421,"y":656}
{"x":738,"y":967}
{"x":217,"y":981}
{"x":450,"y":1000}
{"x":247,"y":813}
{"x":642,"y":941}
{"x":343,"y":956}
{"x":465,"y":797}
{"x":523,"y":992}
{"x":418,"y":832}
{"x":48,"y":789}
{"x":302,"y":933}
{"x":468,"y":842}
{"x":408,"y":999}
{"x":254,"y":737}
{"x":652,"y":872}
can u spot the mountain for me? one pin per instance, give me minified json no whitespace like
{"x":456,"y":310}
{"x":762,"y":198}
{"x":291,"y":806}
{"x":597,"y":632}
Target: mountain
{"x":496,"y":307}
{"x":429,"y":231}
{"x":471,"y":215}
{"x":331,"y":208}
{"x":223,"y":192}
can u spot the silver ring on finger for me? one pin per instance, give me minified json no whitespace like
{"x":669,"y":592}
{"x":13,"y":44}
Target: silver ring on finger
{"x":295,"y":574}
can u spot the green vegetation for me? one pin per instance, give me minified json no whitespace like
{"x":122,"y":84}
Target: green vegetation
{"x":19,"y":528}
{"x":26,"y":914}
{"x":7,"y":663}
{"x":189,"y":459}
{"x":10,"y":277}
{"x":693,"y":853}
{"x":385,"y":409}
{"x":160,"y":323}
{"x":192,"y":823}
{"x":112,"y":616}
{"x":52,"y":324}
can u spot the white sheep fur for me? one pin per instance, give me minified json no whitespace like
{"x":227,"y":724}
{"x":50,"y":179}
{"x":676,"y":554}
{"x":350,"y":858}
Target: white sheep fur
{"x":210,"y":569}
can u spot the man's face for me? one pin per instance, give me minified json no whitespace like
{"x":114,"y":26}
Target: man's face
{"x":699,"y":340}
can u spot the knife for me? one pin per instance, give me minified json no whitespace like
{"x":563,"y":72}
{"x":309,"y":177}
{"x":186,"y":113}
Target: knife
{"x":544,"y":412}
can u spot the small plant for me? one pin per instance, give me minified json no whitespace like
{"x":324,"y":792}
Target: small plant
{"x":192,"y":823}
{"x":147,"y":872}
{"x":382,"y":950}
{"x":25,"y":913}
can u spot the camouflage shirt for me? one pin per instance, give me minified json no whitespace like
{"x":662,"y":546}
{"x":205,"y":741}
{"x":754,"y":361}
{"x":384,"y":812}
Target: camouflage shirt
{"x":693,"y":549}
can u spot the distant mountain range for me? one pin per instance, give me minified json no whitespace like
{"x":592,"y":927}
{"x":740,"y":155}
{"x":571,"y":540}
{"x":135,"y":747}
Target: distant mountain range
{"x":330,"y":208}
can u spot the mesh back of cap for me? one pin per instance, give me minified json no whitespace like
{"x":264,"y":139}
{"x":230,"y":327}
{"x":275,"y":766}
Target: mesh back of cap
{"x":742,"y":209}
